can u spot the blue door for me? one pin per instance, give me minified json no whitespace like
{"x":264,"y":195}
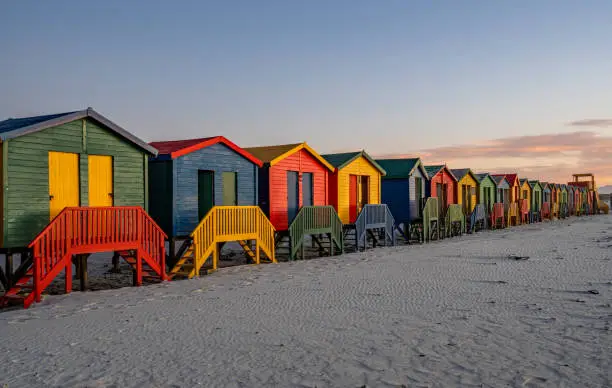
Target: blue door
{"x":293,"y":195}
{"x":307,"y":189}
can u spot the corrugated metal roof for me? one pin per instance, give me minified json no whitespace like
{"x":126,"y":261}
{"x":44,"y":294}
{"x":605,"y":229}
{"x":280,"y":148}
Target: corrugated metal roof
{"x":338,"y":160}
{"x":398,"y":168}
{"x":269,"y":153}
{"x":18,"y":123}
{"x":433,"y":170}
{"x":13,"y":128}
{"x":459,"y":173}
{"x":168,"y":147}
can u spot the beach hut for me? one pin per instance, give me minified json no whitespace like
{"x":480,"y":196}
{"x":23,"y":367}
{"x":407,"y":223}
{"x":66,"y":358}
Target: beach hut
{"x":294,"y":192}
{"x":525,"y":201}
{"x":571,"y":209}
{"x":195,"y":187}
{"x":536,"y":200}
{"x":546,"y":200}
{"x":554,"y":200}
{"x":563,"y":205}
{"x":487,"y":188}
{"x":62,"y":174}
{"x":502,"y":202}
{"x":515,"y":186}
{"x":503,"y":189}
{"x":466,"y":189}
{"x":442,"y":184}
{"x":355,"y":192}
{"x":404,"y":191}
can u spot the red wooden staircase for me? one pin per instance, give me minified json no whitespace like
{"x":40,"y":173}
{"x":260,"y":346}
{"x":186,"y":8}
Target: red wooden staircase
{"x":130,"y":231}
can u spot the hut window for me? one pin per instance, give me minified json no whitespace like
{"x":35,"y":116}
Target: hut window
{"x":230,"y":186}
{"x":524,"y":194}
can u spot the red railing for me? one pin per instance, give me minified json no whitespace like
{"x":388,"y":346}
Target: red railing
{"x":498,"y":214}
{"x":546,"y":210}
{"x":79,"y":230}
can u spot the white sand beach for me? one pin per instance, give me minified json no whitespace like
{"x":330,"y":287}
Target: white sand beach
{"x":455,"y":313}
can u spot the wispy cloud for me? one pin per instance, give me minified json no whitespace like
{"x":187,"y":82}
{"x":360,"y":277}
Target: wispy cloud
{"x":599,"y":123}
{"x":552,"y":157}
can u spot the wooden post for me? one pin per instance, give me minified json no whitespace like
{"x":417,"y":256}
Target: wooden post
{"x":172,"y":252}
{"x":257,"y":252}
{"x":331,"y":245}
{"x":216,"y":256}
{"x":83,"y":275}
{"x":8,"y":268}
{"x":138,"y":268}
{"x":68,"y":276}
{"x":116,"y":260}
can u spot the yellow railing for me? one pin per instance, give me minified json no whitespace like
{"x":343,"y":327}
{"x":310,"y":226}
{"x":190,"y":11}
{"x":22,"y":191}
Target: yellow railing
{"x":231,"y":223}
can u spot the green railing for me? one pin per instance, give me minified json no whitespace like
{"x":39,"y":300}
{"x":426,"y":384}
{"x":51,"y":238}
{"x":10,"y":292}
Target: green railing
{"x":431,"y":215}
{"x":454,"y":214}
{"x":314,"y":220}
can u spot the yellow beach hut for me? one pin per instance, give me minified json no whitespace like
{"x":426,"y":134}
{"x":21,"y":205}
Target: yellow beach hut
{"x":466,"y":189}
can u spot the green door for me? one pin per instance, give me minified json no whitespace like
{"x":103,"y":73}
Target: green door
{"x":229,"y":189}
{"x":206,"y":197}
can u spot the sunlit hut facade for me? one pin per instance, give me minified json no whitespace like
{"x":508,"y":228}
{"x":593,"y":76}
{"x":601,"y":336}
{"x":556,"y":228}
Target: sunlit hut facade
{"x":536,"y":196}
{"x":515,"y":186}
{"x":355,"y":182}
{"x":486,"y":190}
{"x":466,"y":189}
{"x":526,"y":192}
{"x":442,"y":185}
{"x":503,"y":189}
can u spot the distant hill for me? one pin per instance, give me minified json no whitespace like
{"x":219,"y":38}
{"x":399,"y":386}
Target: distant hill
{"x":605,"y":189}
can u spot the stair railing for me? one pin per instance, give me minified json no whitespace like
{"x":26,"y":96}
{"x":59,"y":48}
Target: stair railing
{"x":312,"y":220}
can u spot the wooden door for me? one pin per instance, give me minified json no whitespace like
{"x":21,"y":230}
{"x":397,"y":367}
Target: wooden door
{"x":63,"y":181}
{"x":353,"y":198}
{"x":206,"y":192}
{"x":418,"y":196}
{"x":364,"y":190}
{"x":293,"y":195}
{"x":464,"y":198}
{"x":230,"y":188}
{"x":440,"y":194}
{"x":100,"y":178}
{"x":307,"y":189}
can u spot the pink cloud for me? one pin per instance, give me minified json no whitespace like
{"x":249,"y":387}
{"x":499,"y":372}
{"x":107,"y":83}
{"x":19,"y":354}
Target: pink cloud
{"x":600,"y":123}
{"x":551,"y":157}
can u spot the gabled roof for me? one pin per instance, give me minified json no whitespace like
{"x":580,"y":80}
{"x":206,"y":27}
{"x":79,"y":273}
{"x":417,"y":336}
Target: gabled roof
{"x":499,"y":178}
{"x":433,"y":170}
{"x":402,"y":168}
{"x":271,"y":155}
{"x":524,"y":181}
{"x":339,"y":161}
{"x":544,"y":185}
{"x":511,"y":178}
{"x":459,"y":173}
{"x":534,"y":183}
{"x":177,"y":148}
{"x":13,"y":128}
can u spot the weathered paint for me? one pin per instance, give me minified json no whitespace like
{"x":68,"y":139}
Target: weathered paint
{"x":414,"y":204}
{"x":502,"y":187}
{"x":399,"y":188}
{"x":275,"y":180}
{"x":536,"y":196}
{"x":525,"y":193}
{"x":469,"y":183}
{"x":443,"y":177}
{"x":487,"y":184}
{"x":183,"y":198}
{"x":339,"y":185}
{"x":27,"y":173}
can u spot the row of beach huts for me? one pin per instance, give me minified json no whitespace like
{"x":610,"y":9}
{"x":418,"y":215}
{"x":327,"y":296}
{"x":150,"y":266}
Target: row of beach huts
{"x":75,"y":184}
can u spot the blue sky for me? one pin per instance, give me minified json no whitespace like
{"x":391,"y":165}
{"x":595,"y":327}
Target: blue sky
{"x":390,"y":76}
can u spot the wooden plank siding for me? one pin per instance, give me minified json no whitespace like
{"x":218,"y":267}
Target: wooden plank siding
{"x":413,"y":204}
{"x":487,"y":184}
{"x":27,"y":191}
{"x":339,"y":185}
{"x":276,"y":203}
{"x":470,"y":184}
{"x":526,"y":193}
{"x":443,"y":177}
{"x":217,"y":158}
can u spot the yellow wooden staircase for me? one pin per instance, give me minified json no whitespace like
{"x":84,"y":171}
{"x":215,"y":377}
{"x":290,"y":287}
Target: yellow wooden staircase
{"x":243,"y":224}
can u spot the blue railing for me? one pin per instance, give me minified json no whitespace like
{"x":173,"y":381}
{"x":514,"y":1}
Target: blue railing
{"x":371,"y":217}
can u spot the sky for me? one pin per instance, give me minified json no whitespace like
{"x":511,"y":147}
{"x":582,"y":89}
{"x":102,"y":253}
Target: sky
{"x":496,"y":86}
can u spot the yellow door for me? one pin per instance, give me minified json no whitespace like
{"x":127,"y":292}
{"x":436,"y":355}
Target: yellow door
{"x":100,"y":180}
{"x":63,"y":181}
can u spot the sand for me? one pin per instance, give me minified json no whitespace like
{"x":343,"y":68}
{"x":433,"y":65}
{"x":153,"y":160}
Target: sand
{"x":460,"y":312}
